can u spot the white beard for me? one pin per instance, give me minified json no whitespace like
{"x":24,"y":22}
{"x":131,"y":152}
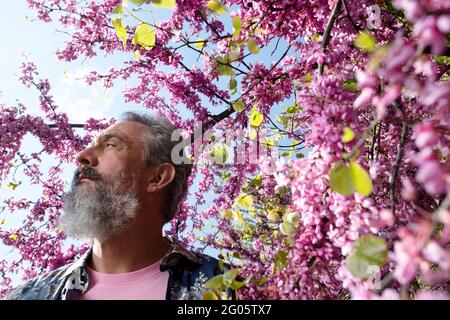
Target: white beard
{"x":99,"y":209}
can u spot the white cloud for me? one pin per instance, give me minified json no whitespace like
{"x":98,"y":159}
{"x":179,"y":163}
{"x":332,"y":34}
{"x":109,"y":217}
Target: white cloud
{"x":81,"y":101}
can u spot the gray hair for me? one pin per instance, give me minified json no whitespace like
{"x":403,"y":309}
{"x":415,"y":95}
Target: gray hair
{"x":158,"y":147}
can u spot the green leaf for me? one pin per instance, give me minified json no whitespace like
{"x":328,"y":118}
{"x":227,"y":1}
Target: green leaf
{"x":361,"y":179}
{"x":284,"y":120}
{"x":215,"y":282}
{"x":200,"y":43}
{"x":308,"y":76}
{"x":164,"y":3}
{"x":209,"y":295}
{"x":219,"y":154}
{"x":346,"y":180}
{"x":137,"y":55}
{"x":280,"y":259}
{"x":442,"y":59}
{"x":257,"y":180}
{"x":256,"y":118}
{"x":348,"y":135}
{"x":138,"y":2}
{"x":350,"y":85}
{"x":291,"y":109}
{"x":365,"y":41}
{"x":221,"y":265}
{"x":292,"y":217}
{"x":253,"y":47}
{"x":238,"y":106}
{"x":341,"y":179}
{"x":216,"y":7}
{"x":245,"y":200}
{"x":232,"y":85}
{"x":235,"y":285}
{"x":259,"y":282}
{"x":223,"y":66}
{"x":13,"y":237}
{"x":121,"y":32}
{"x":234,"y":54}
{"x":144,"y":35}
{"x":370,"y":251}
{"x":230,"y":276}
{"x":118,"y":10}
{"x":237,"y":25}
{"x":13,"y":186}
{"x":287,"y":228}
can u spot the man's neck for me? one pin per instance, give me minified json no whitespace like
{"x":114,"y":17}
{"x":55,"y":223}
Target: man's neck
{"x":128,"y":252}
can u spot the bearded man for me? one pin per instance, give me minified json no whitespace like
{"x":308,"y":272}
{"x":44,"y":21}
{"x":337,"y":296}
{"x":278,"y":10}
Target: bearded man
{"x":125,"y":189}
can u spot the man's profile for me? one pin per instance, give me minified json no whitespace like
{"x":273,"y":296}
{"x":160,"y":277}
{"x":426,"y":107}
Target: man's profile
{"x":126,"y":187}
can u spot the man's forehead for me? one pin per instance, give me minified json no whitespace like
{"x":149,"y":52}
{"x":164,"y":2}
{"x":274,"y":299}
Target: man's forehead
{"x":125,"y":130}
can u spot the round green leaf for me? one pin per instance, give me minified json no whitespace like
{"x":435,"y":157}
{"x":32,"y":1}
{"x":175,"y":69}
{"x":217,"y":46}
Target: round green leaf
{"x":219,"y":154}
{"x":287,"y":228}
{"x":365,"y":41}
{"x":121,"y":31}
{"x":370,"y":251}
{"x":361,"y":179}
{"x":292,"y":217}
{"x":341,"y":179}
{"x":256,"y":118}
{"x":238,"y":106}
{"x":216,"y":7}
{"x":245,"y":200}
{"x":348,"y":135}
{"x":253,"y":47}
{"x":144,"y":35}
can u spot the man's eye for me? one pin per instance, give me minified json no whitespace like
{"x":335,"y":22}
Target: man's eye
{"x":110,"y":145}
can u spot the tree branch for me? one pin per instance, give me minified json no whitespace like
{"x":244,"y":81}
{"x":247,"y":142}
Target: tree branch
{"x":329,"y":27}
{"x":72,"y":125}
{"x":398,"y":159}
{"x":355,"y":26}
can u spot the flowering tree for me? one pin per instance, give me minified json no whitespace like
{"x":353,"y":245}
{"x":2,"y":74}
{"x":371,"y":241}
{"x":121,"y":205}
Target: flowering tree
{"x":348,"y":195}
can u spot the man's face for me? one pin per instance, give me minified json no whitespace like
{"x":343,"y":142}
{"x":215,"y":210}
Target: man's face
{"x":117,"y":150}
{"x":105,"y":190}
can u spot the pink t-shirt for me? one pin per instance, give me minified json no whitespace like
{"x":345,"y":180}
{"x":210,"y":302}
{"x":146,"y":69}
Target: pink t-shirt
{"x":148,"y":283}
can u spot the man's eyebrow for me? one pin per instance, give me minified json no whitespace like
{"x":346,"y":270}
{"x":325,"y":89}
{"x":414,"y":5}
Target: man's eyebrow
{"x":105,"y":137}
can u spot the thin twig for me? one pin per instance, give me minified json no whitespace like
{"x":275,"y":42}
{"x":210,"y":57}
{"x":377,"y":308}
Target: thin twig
{"x":72,"y":125}
{"x":355,"y":26}
{"x":398,"y":159}
{"x":329,"y":27}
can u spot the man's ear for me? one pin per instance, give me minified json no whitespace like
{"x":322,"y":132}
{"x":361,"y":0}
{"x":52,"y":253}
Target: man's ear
{"x":161,"y":175}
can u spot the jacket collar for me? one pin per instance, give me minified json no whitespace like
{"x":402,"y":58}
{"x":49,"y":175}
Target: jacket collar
{"x":177,"y":253}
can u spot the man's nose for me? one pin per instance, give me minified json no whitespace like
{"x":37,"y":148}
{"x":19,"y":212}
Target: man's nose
{"x":87,"y":157}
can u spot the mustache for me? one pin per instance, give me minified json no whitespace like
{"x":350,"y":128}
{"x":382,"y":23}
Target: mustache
{"x":88,"y":172}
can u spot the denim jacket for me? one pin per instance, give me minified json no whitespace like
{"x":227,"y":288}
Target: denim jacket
{"x":188,"y":273}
